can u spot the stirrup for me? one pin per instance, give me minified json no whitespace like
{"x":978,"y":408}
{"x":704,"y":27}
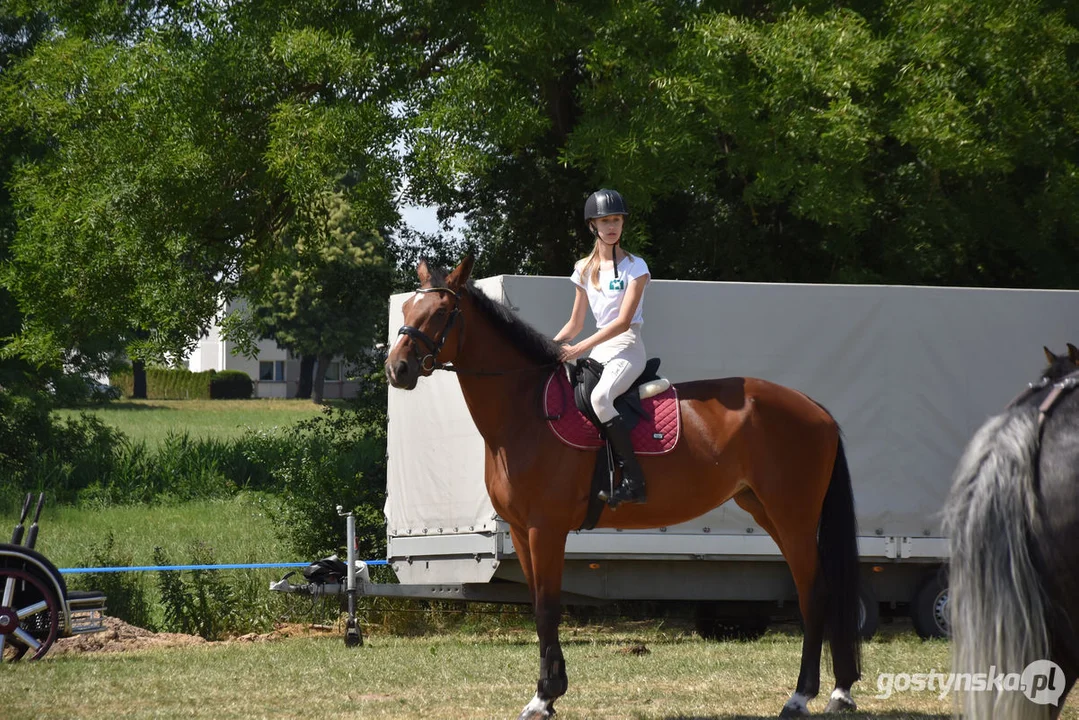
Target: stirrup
{"x":614,"y":499}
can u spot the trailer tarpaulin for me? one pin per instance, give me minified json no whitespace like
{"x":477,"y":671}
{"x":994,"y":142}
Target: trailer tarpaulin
{"x":909,"y":373}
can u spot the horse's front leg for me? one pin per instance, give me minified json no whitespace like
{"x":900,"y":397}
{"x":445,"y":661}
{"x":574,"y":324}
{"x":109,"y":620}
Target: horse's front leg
{"x":542,"y":553}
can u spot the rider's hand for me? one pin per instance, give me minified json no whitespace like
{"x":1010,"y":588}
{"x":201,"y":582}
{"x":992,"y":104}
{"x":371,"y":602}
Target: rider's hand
{"x":571,"y":353}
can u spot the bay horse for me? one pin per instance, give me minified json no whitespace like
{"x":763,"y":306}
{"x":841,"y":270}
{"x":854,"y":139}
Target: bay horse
{"x":777,"y":453}
{"x":1012,"y":522}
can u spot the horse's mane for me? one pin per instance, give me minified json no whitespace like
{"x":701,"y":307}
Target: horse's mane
{"x":535,"y":345}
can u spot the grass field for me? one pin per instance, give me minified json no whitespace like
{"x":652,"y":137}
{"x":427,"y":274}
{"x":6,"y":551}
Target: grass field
{"x":626,"y":670}
{"x":238,"y":529}
{"x":485,"y":669}
{"x":152,"y":420}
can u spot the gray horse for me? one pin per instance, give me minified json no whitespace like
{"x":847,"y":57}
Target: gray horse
{"x":1013,"y":525}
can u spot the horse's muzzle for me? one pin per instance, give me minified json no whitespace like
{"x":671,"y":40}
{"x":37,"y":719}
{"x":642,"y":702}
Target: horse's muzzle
{"x":401,"y":373}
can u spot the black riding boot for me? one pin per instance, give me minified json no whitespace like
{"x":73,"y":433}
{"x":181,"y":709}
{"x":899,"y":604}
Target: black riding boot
{"x":632,"y":488}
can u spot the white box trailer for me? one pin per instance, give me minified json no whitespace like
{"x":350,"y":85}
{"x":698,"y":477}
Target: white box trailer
{"x":908,"y":372}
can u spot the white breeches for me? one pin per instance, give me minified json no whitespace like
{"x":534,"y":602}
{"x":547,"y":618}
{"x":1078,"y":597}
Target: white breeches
{"x":624,"y":359}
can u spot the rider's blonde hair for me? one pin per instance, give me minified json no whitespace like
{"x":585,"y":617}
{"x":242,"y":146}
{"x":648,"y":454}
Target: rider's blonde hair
{"x":590,"y":266}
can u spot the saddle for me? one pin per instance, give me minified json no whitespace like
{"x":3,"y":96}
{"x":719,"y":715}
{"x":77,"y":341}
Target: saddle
{"x":585,"y":376}
{"x":649,"y":408}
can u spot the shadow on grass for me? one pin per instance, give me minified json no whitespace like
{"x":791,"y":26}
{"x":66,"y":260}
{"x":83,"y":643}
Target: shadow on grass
{"x":126,"y":405}
{"x":150,"y":404}
{"x":897,"y":715}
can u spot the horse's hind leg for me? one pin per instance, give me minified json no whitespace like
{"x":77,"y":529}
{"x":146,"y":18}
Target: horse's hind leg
{"x":800,"y":553}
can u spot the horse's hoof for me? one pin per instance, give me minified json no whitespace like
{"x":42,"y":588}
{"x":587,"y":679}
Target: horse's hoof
{"x":796,"y":706}
{"x":840,"y":703}
{"x":537,"y":709}
{"x":527,"y":714}
{"x":536,"y":714}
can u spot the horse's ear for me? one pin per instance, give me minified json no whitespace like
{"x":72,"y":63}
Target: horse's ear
{"x":1049,"y":355}
{"x":462,"y":272}
{"x":1073,"y":353}
{"x":424,"y":274}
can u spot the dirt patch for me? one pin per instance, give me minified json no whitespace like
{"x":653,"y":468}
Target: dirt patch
{"x":119,"y":636}
{"x":289,"y":630}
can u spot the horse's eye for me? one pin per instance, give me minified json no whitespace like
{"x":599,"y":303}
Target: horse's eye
{"x":440,"y":313}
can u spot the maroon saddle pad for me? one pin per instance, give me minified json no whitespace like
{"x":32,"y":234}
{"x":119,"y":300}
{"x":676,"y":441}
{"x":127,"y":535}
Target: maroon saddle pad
{"x":655,"y":434}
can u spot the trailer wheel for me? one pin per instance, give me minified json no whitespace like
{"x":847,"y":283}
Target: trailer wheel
{"x":929,"y":608}
{"x":712,"y":623}
{"x":868,"y":612}
{"x":29,"y":615}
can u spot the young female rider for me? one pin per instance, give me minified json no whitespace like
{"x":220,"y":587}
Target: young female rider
{"x":611,"y":282}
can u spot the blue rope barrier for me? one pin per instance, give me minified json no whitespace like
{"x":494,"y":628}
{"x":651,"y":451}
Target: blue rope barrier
{"x":227,"y":566}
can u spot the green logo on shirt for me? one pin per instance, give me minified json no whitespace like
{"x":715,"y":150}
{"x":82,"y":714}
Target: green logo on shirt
{"x":617,"y":284}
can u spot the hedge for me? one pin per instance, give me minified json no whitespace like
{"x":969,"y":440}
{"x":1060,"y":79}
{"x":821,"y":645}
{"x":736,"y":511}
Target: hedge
{"x":168,"y":383}
{"x":234,"y":384}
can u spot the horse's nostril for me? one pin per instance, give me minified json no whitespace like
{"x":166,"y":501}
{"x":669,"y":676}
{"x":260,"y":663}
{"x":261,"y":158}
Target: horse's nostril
{"x":401,"y":370}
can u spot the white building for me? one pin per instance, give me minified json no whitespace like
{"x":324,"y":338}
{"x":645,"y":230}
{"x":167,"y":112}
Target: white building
{"x":275,"y":371}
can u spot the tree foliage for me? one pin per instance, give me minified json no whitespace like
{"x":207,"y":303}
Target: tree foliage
{"x":912,"y":141}
{"x":182,"y":145}
{"x":329,"y":298}
{"x":182,"y":140}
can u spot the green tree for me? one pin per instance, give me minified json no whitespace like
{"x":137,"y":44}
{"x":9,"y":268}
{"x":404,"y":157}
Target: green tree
{"x":907,"y":141}
{"x":911,"y":141}
{"x":984,"y":115}
{"x":18,"y":35}
{"x":330,"y":298}
{"x":180,"y":140}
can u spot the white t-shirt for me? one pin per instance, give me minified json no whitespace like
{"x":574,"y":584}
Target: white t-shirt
{"x":606,"y":300}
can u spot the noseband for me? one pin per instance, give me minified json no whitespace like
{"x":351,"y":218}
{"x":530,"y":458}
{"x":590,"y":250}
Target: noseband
{"x":430,"y":362}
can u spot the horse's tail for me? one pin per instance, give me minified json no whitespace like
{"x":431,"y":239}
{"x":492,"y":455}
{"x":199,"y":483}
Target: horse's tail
{"x":837,"y":542}
{"x":997,"y":609}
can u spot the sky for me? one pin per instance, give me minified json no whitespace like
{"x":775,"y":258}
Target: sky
{"x":424,"y":218}
{"x":421,"y":217}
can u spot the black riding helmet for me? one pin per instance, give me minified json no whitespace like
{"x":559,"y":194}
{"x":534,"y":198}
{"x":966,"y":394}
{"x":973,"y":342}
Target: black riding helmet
{"x":602,"y":203}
